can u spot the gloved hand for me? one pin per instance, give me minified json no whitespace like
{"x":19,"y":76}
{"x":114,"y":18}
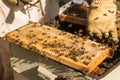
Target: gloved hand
{"x":102,"y":19}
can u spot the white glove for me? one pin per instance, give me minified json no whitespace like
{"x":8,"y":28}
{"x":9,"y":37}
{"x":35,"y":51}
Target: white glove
{"x":102,"y":18}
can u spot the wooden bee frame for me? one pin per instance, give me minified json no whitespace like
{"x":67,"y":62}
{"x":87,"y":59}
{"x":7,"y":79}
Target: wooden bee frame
{"x":75,"y":20}
{"x":81,"y":21}
{"x":58,"y":45}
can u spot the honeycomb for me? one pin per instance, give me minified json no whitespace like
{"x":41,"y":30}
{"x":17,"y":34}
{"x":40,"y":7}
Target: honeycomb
{"x":40,"y":38}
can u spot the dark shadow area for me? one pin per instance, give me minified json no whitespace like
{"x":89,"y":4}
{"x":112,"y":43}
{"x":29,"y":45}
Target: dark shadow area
{"x":32,"y":74}
{"x":51,"y":65}
{"x":18,"y":76}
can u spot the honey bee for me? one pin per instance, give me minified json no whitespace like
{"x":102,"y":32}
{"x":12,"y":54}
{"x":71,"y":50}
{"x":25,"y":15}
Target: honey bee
{"x":93,"y":45}
{"x":40,"y":39}
{"x":34,"y":48}
{"x":30,"y":30}
{"x":43,"y":33}
{"x":60,"y":54}
{"x":48,"y":28}
{"x":55,"y":36}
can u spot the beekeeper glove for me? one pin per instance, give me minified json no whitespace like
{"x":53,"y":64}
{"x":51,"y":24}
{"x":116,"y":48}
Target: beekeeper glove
{"x":102,"y":19}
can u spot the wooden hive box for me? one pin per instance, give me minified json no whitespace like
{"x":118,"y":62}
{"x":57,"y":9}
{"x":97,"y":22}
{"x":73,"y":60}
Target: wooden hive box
{"x":66,"y":48}
{"x":83,"y":9}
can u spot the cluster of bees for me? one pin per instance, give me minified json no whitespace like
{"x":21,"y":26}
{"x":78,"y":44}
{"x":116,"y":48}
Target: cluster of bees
{"x":38,"y":38}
